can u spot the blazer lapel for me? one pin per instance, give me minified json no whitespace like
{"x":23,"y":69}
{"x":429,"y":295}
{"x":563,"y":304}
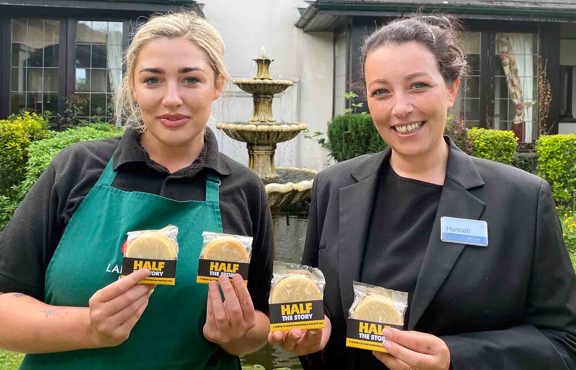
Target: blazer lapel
{"x":440,"y":257}
{"x":355,"y":209}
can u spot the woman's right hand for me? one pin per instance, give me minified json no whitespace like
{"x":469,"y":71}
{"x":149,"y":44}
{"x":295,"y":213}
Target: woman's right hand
{"x":116,"y":308}
{"x":301,"y":341}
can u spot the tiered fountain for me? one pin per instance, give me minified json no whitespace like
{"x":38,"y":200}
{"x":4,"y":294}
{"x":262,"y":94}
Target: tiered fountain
{"x":287,"y":188}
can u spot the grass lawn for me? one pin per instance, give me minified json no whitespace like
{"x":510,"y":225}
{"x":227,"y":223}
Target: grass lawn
{"x":9,"y":360}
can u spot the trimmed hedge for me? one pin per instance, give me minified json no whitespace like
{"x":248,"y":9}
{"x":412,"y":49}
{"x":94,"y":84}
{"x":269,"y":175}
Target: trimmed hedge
{"x":16,"y":134}
{"x":40,"y":154}
{"x":353,"y":134}
{"x":496,"y":145}
{"x":568,"y":219}
{"x":557,"y":165}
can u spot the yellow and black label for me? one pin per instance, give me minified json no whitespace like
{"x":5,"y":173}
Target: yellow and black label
{"x":209,"y":270}
{"x":302,"y":315}
{"x":162,"y":272}
{"x":366,"y":334}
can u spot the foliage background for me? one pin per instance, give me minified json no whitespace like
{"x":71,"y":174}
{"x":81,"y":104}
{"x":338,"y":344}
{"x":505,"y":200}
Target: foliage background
{"x":557,"y":165}
{"x":39,"y":153}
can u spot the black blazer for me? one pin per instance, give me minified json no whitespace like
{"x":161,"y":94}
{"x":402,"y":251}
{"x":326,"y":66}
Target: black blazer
{"x":510,"y":305}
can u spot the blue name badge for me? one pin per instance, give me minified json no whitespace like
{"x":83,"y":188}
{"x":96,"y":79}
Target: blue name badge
{"x":464,"y":231}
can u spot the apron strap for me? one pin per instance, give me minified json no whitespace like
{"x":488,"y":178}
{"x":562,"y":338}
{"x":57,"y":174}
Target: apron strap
{"x":108,"y":175}
{"x":212,"y":188}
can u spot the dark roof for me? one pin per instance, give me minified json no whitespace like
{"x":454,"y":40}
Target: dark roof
{"x":100,"y":7}
{"x":325,"y":15}
{"x":546,"y":4}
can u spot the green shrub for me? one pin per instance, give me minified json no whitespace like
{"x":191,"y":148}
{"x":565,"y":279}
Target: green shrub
{"x":496,"y":145}
{"x":353,"y":134}
{"x":7,"y":207}
{"x":10,"y":360}
{"x":557,"y":165}
{"x":568,"y":219}
{"x":40,"y":154}
{"x":16,"y":133}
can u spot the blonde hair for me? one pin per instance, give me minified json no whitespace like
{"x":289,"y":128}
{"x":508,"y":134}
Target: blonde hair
{"x":185,"y":25}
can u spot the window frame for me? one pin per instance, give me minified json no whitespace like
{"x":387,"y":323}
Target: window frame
{"x":66,"y":57}
{"x":567,"y":91}
{"x":488,"y":70}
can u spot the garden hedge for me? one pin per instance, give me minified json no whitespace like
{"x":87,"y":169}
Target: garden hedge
{"x":353,"y":134}
{"x":16,"y":134}
{"x":40,"y":154}
{"x":496,"y":145}
{"x":557,"y":165}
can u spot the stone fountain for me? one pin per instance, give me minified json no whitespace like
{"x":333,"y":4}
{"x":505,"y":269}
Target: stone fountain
{"x":287,"y":188}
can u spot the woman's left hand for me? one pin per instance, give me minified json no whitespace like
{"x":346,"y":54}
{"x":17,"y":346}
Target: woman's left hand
{"x":228,"y":321}
{"x":413,"y":350}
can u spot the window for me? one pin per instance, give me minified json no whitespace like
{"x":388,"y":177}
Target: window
{"x":467,"y":105}
{"x":98,"y":68}
{"x":566,"y":96}
{"x":34,"y":65}
{"x":512,"y":73}
{"x":515,"y":84}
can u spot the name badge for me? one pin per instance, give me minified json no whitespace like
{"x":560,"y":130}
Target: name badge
{"x":464,"y":231}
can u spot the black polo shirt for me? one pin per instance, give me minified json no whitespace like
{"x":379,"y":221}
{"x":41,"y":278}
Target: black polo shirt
{"x":28,"y":242}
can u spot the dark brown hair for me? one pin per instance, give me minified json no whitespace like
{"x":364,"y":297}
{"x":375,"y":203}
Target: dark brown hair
{"x":438,"y":33}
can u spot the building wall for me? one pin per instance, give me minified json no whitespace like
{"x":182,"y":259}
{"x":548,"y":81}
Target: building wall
{"x":340,"y":59}
{"x":568,"y":52}
{"x":255,"y":26}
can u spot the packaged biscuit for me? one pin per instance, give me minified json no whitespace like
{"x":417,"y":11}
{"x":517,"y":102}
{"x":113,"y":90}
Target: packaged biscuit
{"x":223,"y":254}
{"x":296,"y":297}
{"x":373,"y":309}
{"x":155,"y":250}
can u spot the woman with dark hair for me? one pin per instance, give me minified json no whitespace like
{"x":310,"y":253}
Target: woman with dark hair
{"x":506,"y":301}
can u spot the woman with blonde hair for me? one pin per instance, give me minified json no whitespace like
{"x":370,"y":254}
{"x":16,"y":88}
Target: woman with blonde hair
{"x":61,"y":301}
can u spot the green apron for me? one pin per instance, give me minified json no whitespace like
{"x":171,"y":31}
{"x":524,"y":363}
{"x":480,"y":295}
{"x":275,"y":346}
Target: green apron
{"x":169,"y":333}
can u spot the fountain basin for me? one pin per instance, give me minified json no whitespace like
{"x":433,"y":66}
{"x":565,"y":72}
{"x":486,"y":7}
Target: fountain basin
{"x":261,"y":133}
{"x":263,"y":87}
{"x":289,"y":192}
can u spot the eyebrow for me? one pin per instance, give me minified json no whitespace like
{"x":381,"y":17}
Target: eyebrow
{"x":417,"y":74}
{"x":408,"y":77}
{"x":160,"y":70}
